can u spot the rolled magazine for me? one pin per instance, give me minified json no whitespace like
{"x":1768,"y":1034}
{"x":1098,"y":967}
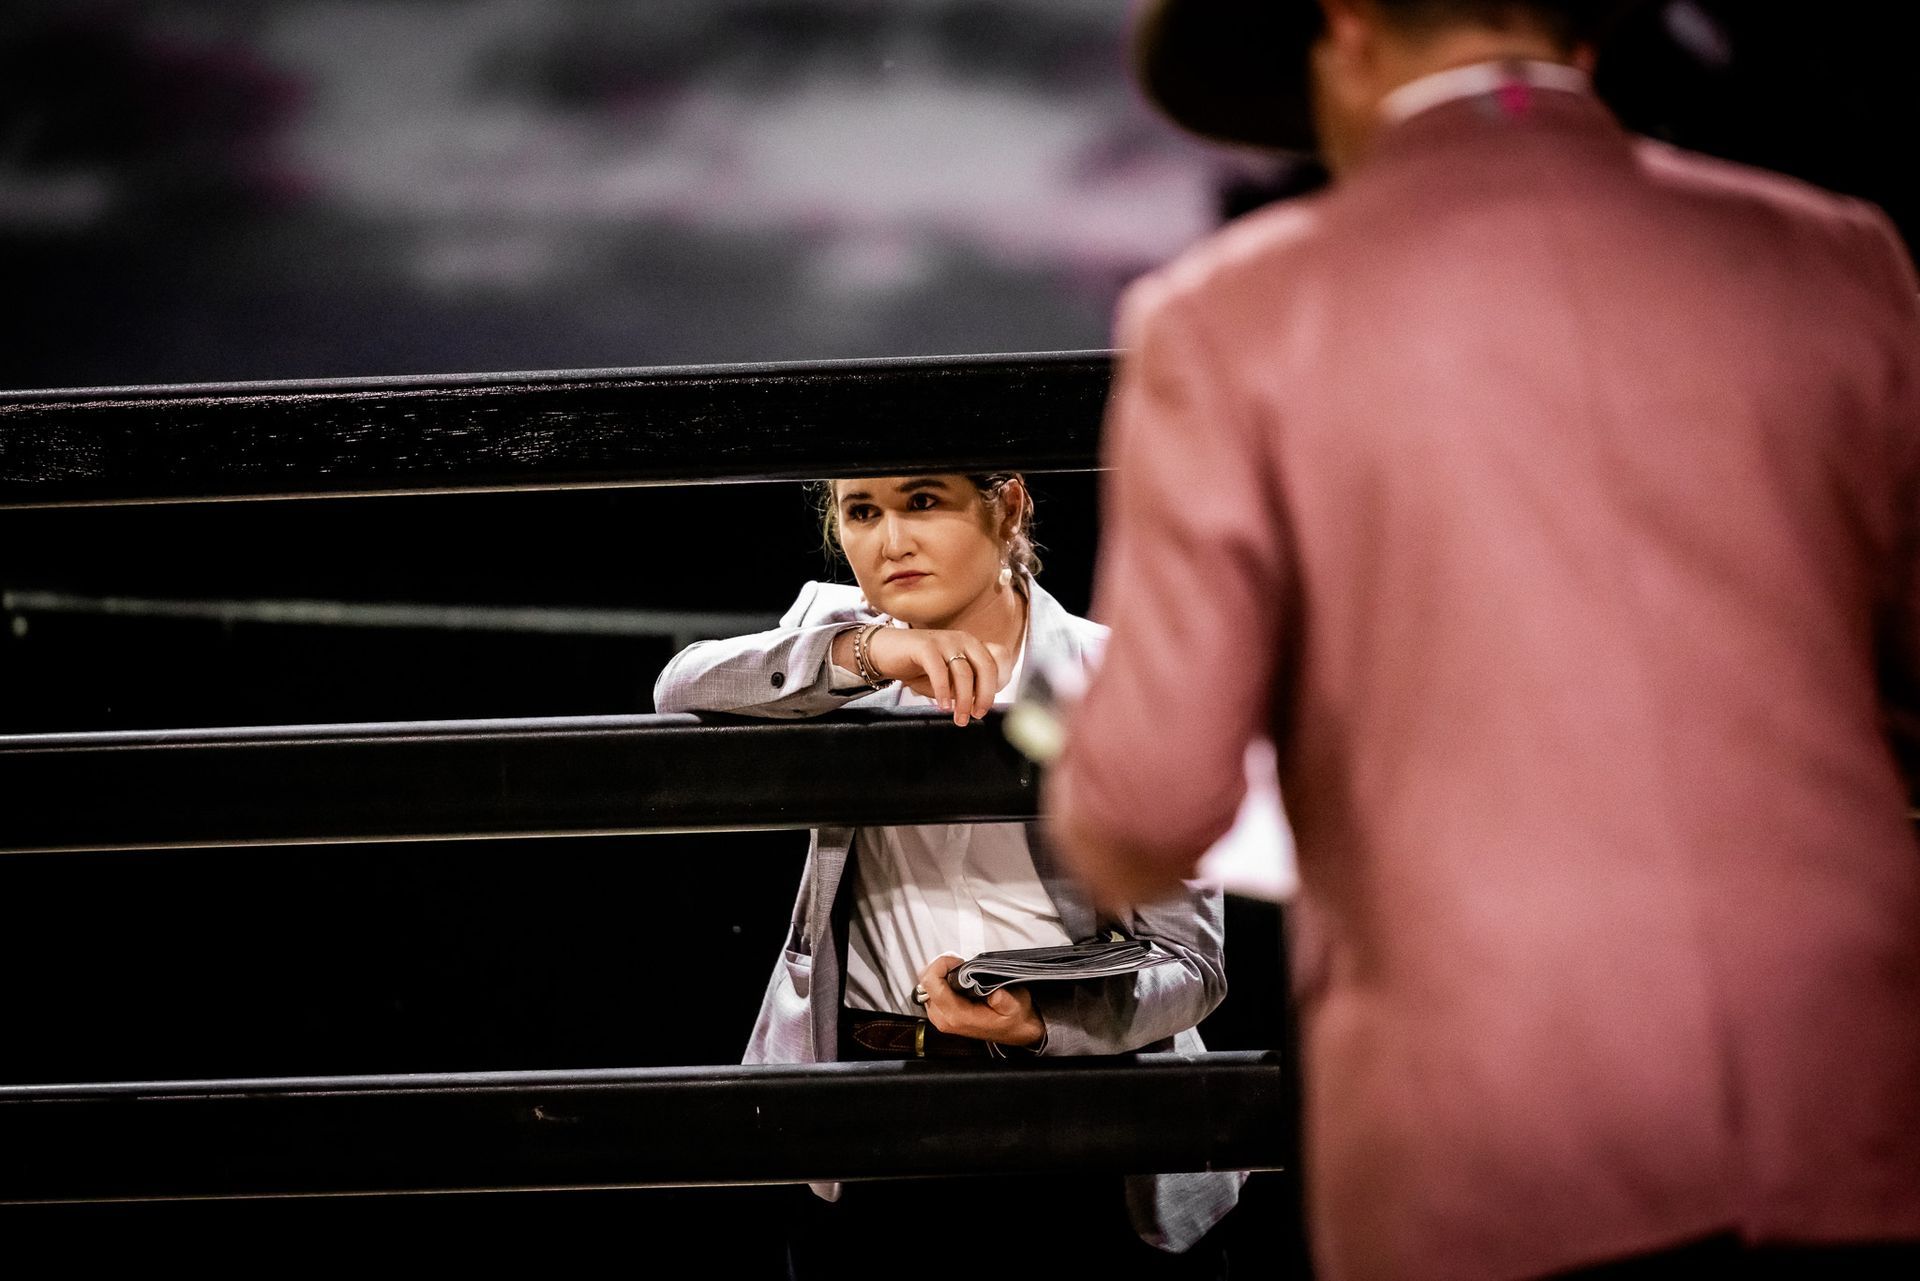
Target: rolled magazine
{"x":1099,"y":959}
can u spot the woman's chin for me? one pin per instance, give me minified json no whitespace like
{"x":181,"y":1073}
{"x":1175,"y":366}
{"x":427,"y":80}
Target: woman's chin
{"x":913,"y":617}
{"x":915,"y":608}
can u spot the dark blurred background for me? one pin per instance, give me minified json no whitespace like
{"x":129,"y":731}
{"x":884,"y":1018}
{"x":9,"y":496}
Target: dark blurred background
{"x":194,"y":191}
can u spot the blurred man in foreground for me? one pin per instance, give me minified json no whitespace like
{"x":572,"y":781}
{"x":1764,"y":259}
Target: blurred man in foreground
{"x":1550,"y":496}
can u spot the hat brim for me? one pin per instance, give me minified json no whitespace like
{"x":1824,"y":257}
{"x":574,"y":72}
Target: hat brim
{"x":1234,"y":71}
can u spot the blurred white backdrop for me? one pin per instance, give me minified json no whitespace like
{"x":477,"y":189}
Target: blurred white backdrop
{"x":293,"y":188}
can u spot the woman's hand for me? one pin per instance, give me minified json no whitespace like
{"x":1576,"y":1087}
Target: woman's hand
{"x":1007,"y":1016}
{"x":957,"y":670}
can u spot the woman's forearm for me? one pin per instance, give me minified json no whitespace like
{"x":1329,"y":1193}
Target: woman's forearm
{"x":842,"y":651}
{"x":783,"y":672}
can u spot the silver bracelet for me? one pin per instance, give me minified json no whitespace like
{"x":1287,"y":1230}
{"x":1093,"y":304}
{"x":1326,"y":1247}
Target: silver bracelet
{"x":861,"y":660}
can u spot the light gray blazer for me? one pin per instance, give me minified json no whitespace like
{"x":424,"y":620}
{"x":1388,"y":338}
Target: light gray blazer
{"x":786,"y":673}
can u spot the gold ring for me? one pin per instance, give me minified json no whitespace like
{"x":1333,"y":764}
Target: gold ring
{"x":957,"y":658}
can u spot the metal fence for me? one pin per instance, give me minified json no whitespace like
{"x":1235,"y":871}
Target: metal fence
{"x":569,"y":776}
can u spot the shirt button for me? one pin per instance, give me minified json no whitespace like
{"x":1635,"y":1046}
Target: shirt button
{"x":778,"y":679}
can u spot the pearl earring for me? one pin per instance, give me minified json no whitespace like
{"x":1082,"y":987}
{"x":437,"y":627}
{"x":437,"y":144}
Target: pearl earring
{"x":1006,"y":574}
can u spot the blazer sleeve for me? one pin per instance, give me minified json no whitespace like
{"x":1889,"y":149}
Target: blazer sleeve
{"x":1900,"y":611}
{"x":1132,"y":1011}
{"x":1192,"y":576}
{"x":783,"y":672}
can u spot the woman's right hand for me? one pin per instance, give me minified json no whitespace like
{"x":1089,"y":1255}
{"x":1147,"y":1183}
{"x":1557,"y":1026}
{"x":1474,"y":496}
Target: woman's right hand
{"x":957,"y":670}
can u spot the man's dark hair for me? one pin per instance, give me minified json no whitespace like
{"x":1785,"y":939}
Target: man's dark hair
{"x":1566,"y":22}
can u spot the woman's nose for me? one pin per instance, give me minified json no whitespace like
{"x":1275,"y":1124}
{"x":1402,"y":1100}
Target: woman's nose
{"x":896,"y":537}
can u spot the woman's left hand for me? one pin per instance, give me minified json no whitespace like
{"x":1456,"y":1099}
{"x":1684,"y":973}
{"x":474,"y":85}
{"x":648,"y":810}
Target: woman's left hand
{"x":1007,"y":1016}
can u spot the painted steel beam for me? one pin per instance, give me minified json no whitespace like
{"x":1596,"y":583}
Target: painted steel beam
{"x":643,"y":1127}
{"x":442,"y":780}
{"x":591,"y":428}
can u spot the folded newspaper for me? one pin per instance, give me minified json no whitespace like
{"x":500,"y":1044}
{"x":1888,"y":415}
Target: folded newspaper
{"x":1103,"y":958}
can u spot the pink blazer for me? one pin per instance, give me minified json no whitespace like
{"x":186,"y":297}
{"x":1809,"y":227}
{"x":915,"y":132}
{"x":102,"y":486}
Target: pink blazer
{"x":1550,"y":495}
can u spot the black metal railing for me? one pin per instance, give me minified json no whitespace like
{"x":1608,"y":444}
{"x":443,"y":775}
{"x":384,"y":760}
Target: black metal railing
{"x":550,"y":430}
{"x":636,"y":1128}
{"x":345,"y":783}
{"x":563,"y":776}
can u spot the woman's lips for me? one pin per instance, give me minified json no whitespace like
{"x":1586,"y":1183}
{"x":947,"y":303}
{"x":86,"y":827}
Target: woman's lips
{"x":907,"y":579}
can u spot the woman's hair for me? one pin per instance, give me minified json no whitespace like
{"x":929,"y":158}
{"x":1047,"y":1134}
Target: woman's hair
{"x":1022,"y":552}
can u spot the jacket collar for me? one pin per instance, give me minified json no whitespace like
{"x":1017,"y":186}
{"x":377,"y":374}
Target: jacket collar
{"x":1049,"y":634}
{"x":1491,"y":118}
{"x":1511,"y":82}
{"x":1051,"y":639}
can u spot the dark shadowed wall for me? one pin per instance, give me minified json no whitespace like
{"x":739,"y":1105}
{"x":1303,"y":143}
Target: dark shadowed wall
{"x":195,"y":191}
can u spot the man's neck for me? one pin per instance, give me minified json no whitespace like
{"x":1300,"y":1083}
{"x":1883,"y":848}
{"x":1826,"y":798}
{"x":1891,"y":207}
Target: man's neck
{"x":1408,"y":61}
{"x":1402,"y":62}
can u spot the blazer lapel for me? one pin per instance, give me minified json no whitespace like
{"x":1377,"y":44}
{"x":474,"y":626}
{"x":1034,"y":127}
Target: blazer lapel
{"x":1050,"y":638}
{"x":831,"y":849}
{"x":1051,"y":642}
{"x":1077,"y":915}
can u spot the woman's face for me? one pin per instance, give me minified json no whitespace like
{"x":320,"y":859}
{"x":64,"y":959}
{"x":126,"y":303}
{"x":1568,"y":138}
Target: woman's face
{"x":924,"y":548}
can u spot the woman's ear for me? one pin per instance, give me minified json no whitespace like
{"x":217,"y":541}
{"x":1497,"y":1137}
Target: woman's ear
{"x":1013,"y":508}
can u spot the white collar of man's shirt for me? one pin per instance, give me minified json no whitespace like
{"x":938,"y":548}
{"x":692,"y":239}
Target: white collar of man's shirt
{"x":1427,"y":92}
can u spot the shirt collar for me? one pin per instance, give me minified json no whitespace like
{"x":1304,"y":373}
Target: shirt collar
{"x":1427,"y":92}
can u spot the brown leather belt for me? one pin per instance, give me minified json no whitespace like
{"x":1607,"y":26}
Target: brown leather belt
{"x":865,"y":1034}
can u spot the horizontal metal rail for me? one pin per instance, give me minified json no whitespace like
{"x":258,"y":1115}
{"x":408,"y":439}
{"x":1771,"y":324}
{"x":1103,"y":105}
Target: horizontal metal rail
{"x":682,"y":627}
{"x":569,"y":776}
{"x":591,"y":428}
{"x":642,"y":1127}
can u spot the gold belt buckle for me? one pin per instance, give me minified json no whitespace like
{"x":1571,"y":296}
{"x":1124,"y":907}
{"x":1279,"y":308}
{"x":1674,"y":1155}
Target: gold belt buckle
{"x":919,"y":1038}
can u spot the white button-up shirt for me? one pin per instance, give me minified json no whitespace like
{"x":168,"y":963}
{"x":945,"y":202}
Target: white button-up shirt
{"x":948,"y":887}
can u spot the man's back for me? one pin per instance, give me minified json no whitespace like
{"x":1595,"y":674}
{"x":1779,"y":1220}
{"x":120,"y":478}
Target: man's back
{"x":1574,"y":480}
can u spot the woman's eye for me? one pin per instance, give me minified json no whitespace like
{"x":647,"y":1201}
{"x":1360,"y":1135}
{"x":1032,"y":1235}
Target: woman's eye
{"x":922,"y":501}
{"x":860,"y":511}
